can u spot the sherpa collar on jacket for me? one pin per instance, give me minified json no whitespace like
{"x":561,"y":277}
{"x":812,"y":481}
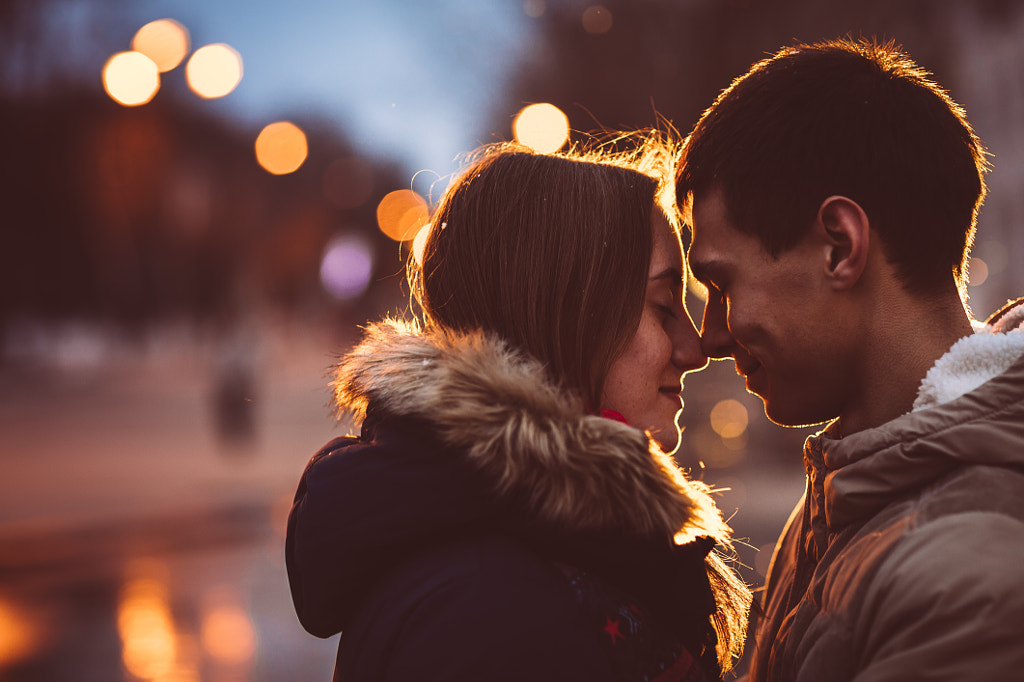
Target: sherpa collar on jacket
{"x":527,"y":437}
{"x":970,"y":410}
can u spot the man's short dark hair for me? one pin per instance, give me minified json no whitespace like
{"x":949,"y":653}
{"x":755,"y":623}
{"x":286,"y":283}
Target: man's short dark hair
{"x":857,"y":119}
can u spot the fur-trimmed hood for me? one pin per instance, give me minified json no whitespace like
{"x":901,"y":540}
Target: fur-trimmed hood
{"x":529,"y":440}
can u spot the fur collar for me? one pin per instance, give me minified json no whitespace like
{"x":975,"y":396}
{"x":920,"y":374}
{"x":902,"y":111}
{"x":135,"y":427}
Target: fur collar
{"x":974,"y":359}
{"x":529,"y":439}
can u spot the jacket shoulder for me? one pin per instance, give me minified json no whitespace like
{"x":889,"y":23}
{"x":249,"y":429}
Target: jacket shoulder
{"x":946,"y":602}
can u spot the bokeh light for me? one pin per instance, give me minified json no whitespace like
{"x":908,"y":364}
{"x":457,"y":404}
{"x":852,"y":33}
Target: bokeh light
{"x":419,"y":243}
{"x":534,"y":8}
{"x":400,"y":214}
{"x":977,"y":272}
{"x":542,"y":127}
{"x":348,"y":182}
{"x":346,"y":267}
{"x":597,"y":19}
{"x":149,"y":645}
{"x":281,"y":148}
{"x":131,"y":78}
{"x":729,"y":418}
{"x":226,"y":631}
{"x":20,"y":635}
{"x":994,"y":253}
{"x":214,"y":70}
{"x":165,"y":41}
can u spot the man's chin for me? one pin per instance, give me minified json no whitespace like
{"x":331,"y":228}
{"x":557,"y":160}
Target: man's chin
{"x":787,"y":416}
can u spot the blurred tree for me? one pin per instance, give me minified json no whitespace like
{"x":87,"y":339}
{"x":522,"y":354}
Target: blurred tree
{"x":670,"y":59}
{"x":136,"y":214}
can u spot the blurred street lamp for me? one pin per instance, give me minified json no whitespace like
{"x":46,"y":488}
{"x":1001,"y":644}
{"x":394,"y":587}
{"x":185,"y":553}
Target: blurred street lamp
{"x":165,"y":41}
{"x":131,"y":78}
{"x":281,"y":148}
{"x":214,"y":70}
{"x":401,"y":214}
{"x":542,"y":127}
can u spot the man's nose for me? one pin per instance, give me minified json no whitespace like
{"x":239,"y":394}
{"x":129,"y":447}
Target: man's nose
{"x":715,"y":338}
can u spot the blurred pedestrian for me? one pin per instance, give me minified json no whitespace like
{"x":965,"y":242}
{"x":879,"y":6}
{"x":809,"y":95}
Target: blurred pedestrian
{"x":834,"y":191}
{"x":508,"y":511}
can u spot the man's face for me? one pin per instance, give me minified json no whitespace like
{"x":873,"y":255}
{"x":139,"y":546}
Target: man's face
{"x":774,"y":316}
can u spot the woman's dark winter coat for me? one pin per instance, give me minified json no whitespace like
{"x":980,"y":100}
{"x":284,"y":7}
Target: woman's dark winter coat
{"x":482,"y":527}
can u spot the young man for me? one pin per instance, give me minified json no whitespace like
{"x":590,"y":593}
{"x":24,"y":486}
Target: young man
{"x":833,"y":191}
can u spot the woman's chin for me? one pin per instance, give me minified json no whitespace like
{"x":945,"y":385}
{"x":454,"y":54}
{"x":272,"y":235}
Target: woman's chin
{"x":667,"y":438}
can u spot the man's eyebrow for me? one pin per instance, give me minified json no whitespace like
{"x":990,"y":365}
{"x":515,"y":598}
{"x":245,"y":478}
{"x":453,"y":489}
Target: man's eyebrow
{"x":710,"y":270}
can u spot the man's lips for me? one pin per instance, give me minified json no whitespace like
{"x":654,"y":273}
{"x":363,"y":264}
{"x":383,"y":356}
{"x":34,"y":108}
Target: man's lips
{"x":745,"y":367}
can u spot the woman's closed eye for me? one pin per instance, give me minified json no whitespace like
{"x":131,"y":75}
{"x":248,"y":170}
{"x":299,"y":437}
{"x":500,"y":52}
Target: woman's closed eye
{"x":667,"y":311}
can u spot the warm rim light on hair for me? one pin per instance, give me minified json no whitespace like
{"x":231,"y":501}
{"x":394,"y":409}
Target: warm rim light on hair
{"x":165,"y":41}
{"x":542,"y":127}
{"x":214,"y":70}
{"x":281,"y":148}
{"x":400,"y":214}
{"x":131,"y":78}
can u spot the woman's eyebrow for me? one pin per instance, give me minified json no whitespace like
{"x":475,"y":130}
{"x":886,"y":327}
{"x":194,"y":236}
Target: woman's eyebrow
{"x":670,"y":272}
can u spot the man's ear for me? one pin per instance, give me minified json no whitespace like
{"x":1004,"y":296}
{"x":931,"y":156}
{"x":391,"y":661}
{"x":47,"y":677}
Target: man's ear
{"x":846,"y":231}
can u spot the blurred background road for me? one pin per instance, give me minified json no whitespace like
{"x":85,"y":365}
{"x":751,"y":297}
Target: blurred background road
{"x":199,"y":204}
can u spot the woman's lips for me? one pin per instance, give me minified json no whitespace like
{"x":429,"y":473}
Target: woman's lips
{"x":672,"y":392}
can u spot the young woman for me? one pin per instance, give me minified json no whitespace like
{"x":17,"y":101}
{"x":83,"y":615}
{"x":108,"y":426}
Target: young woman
{"x":508,"y":512}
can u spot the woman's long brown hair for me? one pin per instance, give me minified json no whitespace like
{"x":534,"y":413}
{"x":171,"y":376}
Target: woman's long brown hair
{"x":551,"y":253}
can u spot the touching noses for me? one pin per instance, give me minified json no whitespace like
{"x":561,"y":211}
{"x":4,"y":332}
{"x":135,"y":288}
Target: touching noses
{"x":687,"y":354}
{"x":715,"y":338}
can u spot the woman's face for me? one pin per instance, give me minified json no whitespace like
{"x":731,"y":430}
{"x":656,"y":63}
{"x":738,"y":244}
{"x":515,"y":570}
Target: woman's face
{"x":644,"y":382}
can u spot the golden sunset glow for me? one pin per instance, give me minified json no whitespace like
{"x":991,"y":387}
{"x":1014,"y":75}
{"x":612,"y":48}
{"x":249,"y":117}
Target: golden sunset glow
{"x":597,"y":19}
{"x":729,"y":418}
{"x":214,"y":70}
{"x":281,"y":148}
{"x":131,"y":78}
{"x":542,"y":127}
{"x":400,"y":214}
{"x":165,"y":41}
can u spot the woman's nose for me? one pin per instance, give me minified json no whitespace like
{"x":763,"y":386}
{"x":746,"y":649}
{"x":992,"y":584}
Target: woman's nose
{"x":715,"y":338}
{"x":687,"y":353}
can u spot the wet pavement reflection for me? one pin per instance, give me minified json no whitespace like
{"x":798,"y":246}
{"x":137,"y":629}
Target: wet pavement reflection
{"x":136,"y":541}
{"x":192,"y":598}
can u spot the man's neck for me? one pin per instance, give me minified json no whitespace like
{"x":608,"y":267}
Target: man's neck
{"x":908,"y":337}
